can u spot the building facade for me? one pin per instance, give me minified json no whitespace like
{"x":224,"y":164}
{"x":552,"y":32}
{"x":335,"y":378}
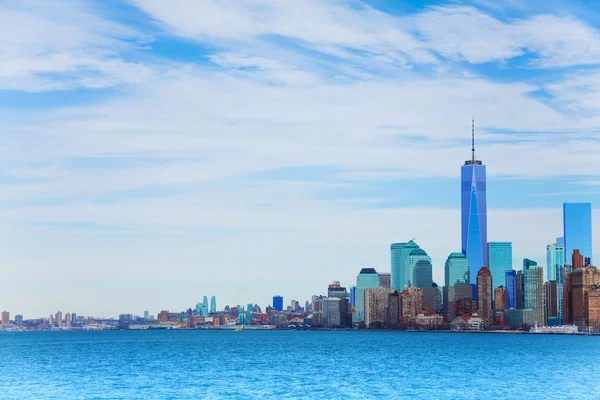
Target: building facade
{"x":520,"y":290}
{"x":456,"y":270}
{"x":499,"y":261}
{"x":417,"y":266}
{"x":450,"y":295}
{"x":366,"y":279}
{"x":577,"y":229}
{"x":278,"y":303}
{"x":399,"y":252}
{"x":511,"y":285}
{"x":376,"y":301}
{"x":534,"y":287}
{"x":385,"y":280}
{"x":484,"y":295}
{"x":499,"y":298}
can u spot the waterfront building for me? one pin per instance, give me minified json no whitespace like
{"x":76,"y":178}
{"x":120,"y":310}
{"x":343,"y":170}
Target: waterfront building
{"x":125,"y":320}
{"x":467,"y":323}
{"x":474,"y":213}
{"x":534,"y":286}
{"x":146,"y":315}
{"x":68,"y":320}
{"x":339,"y":292}
{"x":5,"y":317}
{"x":583,"y":282}
{"x":499,"y":261}
{"x":51,"y":319}
{"x":593,"y":310}
{"x":550,"y":301}
{"x":317,"y":310}
{"x":399,"y":252}
{"x":331,"y":312}
{"x":451,"y":294}
{"x":278,"y":303}
{"x":520,"y":317}
{"x":484,"y":295}
{"x":163,"y":316}
{"x":73,"y":319}
{"x":213,"y":304}
{"x":519,"y":290}
{"x":376,"y":301}
{"x":511,"y":295}
{"x":204,"y":308}
{"x":577,"y":229}
{"x":499,"y":298}
{"x":385,"y":280}
{"x":456,"y":270}
{"x":394,"y":308}
{"x":58,"y":318}
{"x":366,"y":279}
{"x":418,"y":267}
{"x":437,"y":298}
{"x":18,"y":319}
{"x":412,"y":302}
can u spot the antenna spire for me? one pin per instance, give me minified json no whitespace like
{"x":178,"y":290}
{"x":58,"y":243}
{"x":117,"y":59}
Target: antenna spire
{"x":473,"y":139}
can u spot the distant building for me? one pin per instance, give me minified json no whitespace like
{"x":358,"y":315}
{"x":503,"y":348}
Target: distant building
{"x":399,"y":252}
{"x":577,"y":229}
{"x":520,"y":290}
{"x":18,"y":319}
{"x":394,"y":308}
{"x":550,"y":301}
{"x":499,"y":261}
{"x":418,"y":269}
{"x":412,"y":302}
{"x":58,"y":318}
{"x":584,"y":284}
{"x":163,"y":316}
{"x":451,"y":294}
{"x":385,"y":280}
{"x":499,"y":299}
{"x":577,"y":260}
{"x":352,"y":296}
{"x":467,"y":323}
{"x":456,"y":270}
{"x":465,"y":307}
{"x":335,"y":290}
{"x":511,"y":286}
{"x":534,"y":286}
{"x":213,"y":304}
{"x":555,"y":261}
{"x":366,"y":279}
{"x":5,"y":317}
{"x":278,"y":303}
{"x":484,"y":295}
{"x":146,"y":315}
{"x":376,"y":301}
{"x":125,"y":320}
{"x":68,"y":320}
{"x":204,"y":308}
{"x":520,"y":317}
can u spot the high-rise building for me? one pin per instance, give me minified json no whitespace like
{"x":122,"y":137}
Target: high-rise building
{"x":331,"y":312}
{"x":451,"y":294}
{"x":551,"y":302}
{"x":278,"y":303}
{"x":18,"y":319}
{"x":420,"y":257}
{"x":474,"y":213}
{"x":511,"y":286}
{"x":146,"y":315}
{"x":399,"y":252}
{"x":376,"y":301}
{"x":577,"y":260}
{"x":577,"y":229}
{"x":499,"y":261}
{"x":423,"y":274}
{"x":51,"y":319}
{"x":352,"y":296}
{"x":584,"y":282}
{"x":58,"y":318}
{"x":499,"y":298}
{"x":204,"y":307}
{"x":519,"y":290}
{"x":366,"y":279}
{"x":213,"y":304}
{"x":394,"y":308}
{"x":484,"y":295}
{"x":385,"y":280}
{"x":456,"y":270}
{"x":555,"y":261}
{"x":335,"y":290}
{"x":5,"y":317}
{"x":68,"y":320}
{"x":534,"y":286}
{"x":412,"y":302}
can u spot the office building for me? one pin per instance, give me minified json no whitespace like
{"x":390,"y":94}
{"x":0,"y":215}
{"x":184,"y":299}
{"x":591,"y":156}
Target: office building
{"x":399,"y":252}
{"x":550,"y":301}
{"x":511,"y":295}
{"x":418,"y":266}
{"x":278,"y":303}
{"x":58,"y":319}
{"x":385,"y":280}
{"x":520,"y":317}
{"x":335,"y":290}
{"x":394,"y":308}
{"x":519,"y":290}
{"x":412,"y":302}
{"x":474,"y":213}
{"x":5,"y":317}
{"x":555,"y":261}
{"x":366,"y":279}
{"x":499,"y":261}
{"x":499,"y":298}
{"x":484,"y":295}
{"x":352,"y":296}
{"x":146,"y":315}
{"x":534,"y":286}
{"x":456,"y":270}
{"x":18,"y":319}
{"x":584,"y":282}
{"x":577,"y":229}
{"x":213,"y":304}
{"x":451,"y":294}
{"x":376,"y":301}
{"x":577,"y":259}
{"x":331,"y":312}
{"x":204,"y":308}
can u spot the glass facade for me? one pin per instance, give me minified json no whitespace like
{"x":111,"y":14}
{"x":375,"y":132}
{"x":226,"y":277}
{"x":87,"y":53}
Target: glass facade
{"x":510,"y":285}
{"x":577,"y":225}
{"x":399,"y":253}
{"x":519,"y":290}
{"x":474,"y":216}
{"x":423,"y":274}
{"x":415,"y":256}
{"x":534,"y":286}
{"x":366,"y":279}
{"x":456,"y":270}
{"x":555,"y":261}
{"x":499,"y":261}
{"x":278,"y":303}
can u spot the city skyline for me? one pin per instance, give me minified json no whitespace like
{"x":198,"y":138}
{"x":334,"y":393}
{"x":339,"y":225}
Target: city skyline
{"x":150,"y":157}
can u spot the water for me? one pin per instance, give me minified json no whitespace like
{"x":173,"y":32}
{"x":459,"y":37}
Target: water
{"x":295,"y":365}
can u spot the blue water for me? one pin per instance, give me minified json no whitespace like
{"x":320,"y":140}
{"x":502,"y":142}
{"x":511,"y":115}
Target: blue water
{"x":295,"y":365}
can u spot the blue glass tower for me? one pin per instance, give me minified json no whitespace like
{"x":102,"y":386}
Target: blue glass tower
{"x":474,"y":213}
{"x":278,"y":303}
{"x":511,"y":288}
{"x":499,"y":261}
{"x":577,"y":226}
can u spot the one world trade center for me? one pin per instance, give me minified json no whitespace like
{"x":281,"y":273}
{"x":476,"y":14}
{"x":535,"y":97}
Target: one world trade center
{"x":473,"y":213}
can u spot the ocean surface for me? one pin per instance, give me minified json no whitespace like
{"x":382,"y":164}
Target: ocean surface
{"x":296,"y":365}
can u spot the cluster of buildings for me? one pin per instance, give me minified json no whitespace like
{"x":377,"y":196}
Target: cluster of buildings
{"x":482,"y":289}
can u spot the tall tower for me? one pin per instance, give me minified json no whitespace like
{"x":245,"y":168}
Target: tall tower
{"x":473,"y":213}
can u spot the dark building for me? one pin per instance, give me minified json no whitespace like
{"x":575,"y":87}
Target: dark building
{"x":577,"y":260}
{"x":550,"y":300}
{"x":465,"y":307}
{"x":484,"y":295}
{"x":385,"y":280}
{"x":125,"y":320}
{"x":519,"y":290}
{"x":450,"y":295}
{"x":337,"y":291}
{"x":394,"y":308}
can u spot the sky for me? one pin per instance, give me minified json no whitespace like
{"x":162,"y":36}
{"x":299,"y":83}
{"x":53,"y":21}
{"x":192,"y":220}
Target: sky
{"x":155,"y":152}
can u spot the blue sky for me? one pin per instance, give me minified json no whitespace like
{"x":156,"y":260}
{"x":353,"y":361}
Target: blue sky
{"x":156,"y":152}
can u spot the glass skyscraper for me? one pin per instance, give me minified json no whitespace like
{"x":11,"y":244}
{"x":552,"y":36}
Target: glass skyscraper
{"x":456,"y":270}
{"x":366,"y":279}
{"x":555,"y":261}
{"x":416,"y":257}
{"x":423,"y":274}
{"x":577,"y":229}
{"x":474,"y":214}
{"x":534,"y":287}
{"x":511,"y":288}
{"x":499,"y":261}
{"x":399,"y":252}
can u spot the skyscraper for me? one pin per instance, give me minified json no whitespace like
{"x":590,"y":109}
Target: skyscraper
{"x":456,"y":270}
{"x":555,"y":261}
{"x":420,"y":257}
{"x":205,"y":306}
{"x":399,"y":252}
{"x":577,"y":229}
{"x":499,"y":298}
{"x":499,"y":261}
{"x":484,"y":295}
{"x":423,"y":274}
{"x":5,"y":317}
{"x":366,"y":279}
{"x":534,"y":286}
{"x":213,"y":304}
{"x":511,"y":286}
{"x":519,"y":290}
{"x":278,"y":303}
{"x":385,"y":280}
{"x":474,"y":213}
